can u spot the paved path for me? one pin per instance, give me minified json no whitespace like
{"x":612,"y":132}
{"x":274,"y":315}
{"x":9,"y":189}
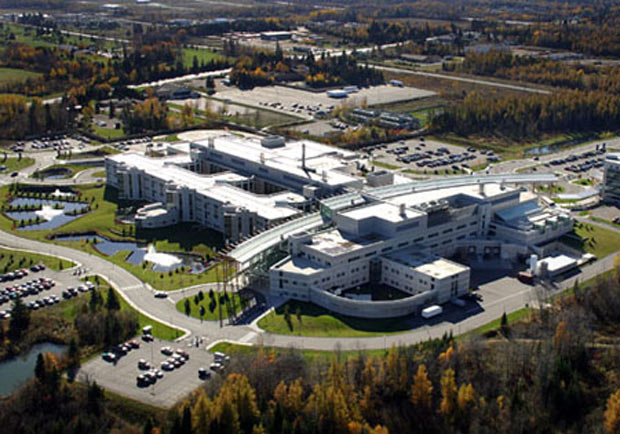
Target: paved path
{"x":141,"y":297}
{"x":463,"y":79}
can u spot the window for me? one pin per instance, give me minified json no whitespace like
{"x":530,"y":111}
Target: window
{"x":433,"y":235}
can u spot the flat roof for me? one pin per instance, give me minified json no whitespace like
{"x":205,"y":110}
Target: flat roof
{"x":214,"y":186}
{"x":491,"y":191}
{"x":431,"y":265}
{"x":333,"y":243}
{"x":384,"y":211}
{"x":320,"y":159}
{"x":559,"y":262}
{"x":300,"y":265}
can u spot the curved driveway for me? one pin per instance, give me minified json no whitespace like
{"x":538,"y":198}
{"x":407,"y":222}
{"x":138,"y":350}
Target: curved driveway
{"x":141,"y":297}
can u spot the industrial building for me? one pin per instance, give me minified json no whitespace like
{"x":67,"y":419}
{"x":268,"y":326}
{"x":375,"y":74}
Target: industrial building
{"x":611,"y":179}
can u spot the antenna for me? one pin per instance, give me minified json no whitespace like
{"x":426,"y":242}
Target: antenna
{"x":303,"y":156}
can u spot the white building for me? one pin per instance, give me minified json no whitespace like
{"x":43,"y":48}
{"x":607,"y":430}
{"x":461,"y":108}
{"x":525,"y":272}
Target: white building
{"x":399,"y":241}
{"x":611,"y":180}
{"x":222,"y":201}
{"x":236,"y":186}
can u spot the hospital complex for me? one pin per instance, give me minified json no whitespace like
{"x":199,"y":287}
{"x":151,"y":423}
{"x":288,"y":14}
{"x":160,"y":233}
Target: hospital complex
{"x":335,"y":228}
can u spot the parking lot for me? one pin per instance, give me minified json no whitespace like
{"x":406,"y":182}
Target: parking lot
{"x":33,"y":289}
{"x":308,"y":104}
{"x":121,"y":376}
{"x":428,"y":156}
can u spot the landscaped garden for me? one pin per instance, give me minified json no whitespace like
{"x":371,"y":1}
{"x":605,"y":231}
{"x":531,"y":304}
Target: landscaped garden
{"x":211,"y":305}
{"x":104,"y":216}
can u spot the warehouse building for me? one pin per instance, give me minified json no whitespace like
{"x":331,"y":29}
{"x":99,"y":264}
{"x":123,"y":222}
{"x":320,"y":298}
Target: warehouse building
{"x":611,"y":179}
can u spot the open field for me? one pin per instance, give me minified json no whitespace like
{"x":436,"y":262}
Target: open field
{"x":202,"y":55}
{"x":108,"y":133}
{"x":12,"y":75}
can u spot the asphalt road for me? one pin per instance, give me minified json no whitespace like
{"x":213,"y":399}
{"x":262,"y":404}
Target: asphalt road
{"x":462,"y":79}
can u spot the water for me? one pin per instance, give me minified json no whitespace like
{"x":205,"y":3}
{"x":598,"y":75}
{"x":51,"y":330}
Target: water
{"x":56,"y":219}
{"x":17,"y":371}
{"x":57,"y":173}
{"x":162,"y":262}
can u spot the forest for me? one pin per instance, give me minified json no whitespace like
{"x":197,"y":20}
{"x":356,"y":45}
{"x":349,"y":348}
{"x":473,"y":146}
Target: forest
{"x":556,"y":371}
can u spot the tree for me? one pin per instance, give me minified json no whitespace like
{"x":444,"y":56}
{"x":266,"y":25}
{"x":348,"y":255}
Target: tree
{"x":112,"y":303}
{"x":504,"y":324}
{"x":298,"y":313}
{"x":39,"y":369}
{"x":188,"y":307}
{"x":448,"y":394}
{"x":95,"y":398}
{"x":20,"y":319}
{"x":287,"y":317}
{"x":612,"y":413}
{"x":422,"y":390}
{"x":202,"y":311}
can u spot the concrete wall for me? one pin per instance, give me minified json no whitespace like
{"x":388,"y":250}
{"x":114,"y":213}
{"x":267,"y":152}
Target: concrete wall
{"x":371,"y":309}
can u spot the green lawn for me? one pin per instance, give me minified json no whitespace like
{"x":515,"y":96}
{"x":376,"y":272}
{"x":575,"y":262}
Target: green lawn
{"x":593,"y":239}
{"x":179,"y":238}
{"x":108,"y":133}
{"x":13,"y":259}
{"x":310,"y":355}
{"x":200,"y":53}
{"x":99,"y":174}
{"x":211,"y":316}
{"x":15,"y":164}
{"x":316,"y":321}
{"x":12,"y":75}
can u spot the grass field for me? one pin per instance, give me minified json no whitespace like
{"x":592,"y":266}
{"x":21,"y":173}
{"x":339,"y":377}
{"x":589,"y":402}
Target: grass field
{"x":12,"y":75}
{"x":15,"y":164}
{"x":99,"y":174}
{"x":14,"y":259}
{"x":210,"y":316}
{"x":108,"y":133}
{"x":316,"y":321}
{"x":202,"y":55}
{"x":593,"y":239}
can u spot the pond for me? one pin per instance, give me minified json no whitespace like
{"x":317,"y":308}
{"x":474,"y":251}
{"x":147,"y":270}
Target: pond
{"x":55,"y":173}
{"x":17,"y":371}
{"x":138,"y":253}
{"x":51,"y":218}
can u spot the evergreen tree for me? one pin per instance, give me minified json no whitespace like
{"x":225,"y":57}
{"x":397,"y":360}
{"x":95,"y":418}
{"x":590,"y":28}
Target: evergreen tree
{"x":112,"y":303}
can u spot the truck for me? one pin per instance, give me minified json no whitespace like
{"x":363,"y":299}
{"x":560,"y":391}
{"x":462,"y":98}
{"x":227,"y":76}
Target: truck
{"x":431,"y":311}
